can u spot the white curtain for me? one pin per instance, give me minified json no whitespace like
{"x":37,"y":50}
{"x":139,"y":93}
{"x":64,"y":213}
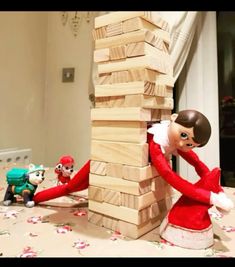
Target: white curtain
{"x":182,"y":29}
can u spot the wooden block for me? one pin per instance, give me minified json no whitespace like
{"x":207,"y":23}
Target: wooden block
{"x":168,"y":91}
{"x":102,"y":55}
{"x":157,"y":20}
{"x":137,"y":202}
{"x":120,"y":152}
{"x":143,"y":48}
{"x":169,"y":191}
{"x":131,"y":37}
{"x":119,"y":185}
{"x":145,"y":101}
{"x":135,"y":24}
{"x":159,"y":63}
{"x":103,"y":102}
{"x":163,"y":90}
{"x":121,"y":114}
{"x":119,"y":77}
{"x":135,"y":231}
{"x":114,"y":29}
{"x":115,"y":170}
{"x":99,"y":33}
{"x":110,"y":101}
{"x":159,"y":184}
{"x":165,"y":79}
{"x":156,"y":102}
{"x":95,"y":193}
{"x":145,"y":186}
{"x":144,"y":215}
{"x":95,"y":218}
{"x":135,"y":49}
{"x":112,"y":197}
{"x":118,"y":52}
{"x":165,"y":114}
{"x":154,"y":210}
{"x":129,"y":88}
{"x":104,"y":78}
{"x":115,"y":17}
{"x":98,"y":167}
{"x":139,"y":174}
{"x":165,"y":204}
{"x":116,"y":101}
{"x":116,"y":212}
{"x":110,"y":223}
{"x":143,"y":74}
{"x":124,"y":131}
{"x":138,"y":23}
{"x":156,"y":114}
{"x":156,"y":42}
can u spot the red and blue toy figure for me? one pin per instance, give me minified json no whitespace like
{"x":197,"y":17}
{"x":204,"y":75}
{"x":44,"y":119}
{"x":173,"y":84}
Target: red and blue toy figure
{"x":64,"y":169}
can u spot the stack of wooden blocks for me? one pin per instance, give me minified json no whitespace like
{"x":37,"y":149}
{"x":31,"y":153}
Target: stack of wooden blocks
{"x":135,"y":87}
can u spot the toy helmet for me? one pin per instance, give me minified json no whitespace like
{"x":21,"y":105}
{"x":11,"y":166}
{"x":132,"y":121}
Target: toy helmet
{"x":66,"y":160}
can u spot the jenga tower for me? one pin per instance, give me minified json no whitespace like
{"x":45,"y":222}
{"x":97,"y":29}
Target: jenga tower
{"x":135,"y":87}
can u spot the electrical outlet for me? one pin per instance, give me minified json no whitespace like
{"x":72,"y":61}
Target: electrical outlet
{"x":68,"y":75}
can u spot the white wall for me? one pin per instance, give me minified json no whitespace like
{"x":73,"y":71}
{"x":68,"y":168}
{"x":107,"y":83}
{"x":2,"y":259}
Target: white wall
{"x":37,"y":110}
{"x":67,"y":104}
{"x":22,"y":75}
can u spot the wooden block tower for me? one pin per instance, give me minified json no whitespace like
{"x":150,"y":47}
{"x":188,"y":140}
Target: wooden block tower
{"x":135,"y":87}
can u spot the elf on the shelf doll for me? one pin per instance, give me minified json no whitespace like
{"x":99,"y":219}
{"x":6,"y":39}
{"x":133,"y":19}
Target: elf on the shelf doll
{"x":187,"y":223}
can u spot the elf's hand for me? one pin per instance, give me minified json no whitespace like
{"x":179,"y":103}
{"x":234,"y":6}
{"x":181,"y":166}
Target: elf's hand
{"x":221,"y":201}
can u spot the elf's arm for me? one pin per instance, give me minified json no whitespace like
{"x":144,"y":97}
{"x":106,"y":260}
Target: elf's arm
{"x":164,"y":169}
{"x":192,"y":158}
{"x":188,"y":189}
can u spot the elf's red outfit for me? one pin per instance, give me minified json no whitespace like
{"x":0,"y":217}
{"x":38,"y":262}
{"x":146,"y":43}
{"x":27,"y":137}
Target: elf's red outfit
{"x":188,"y":223}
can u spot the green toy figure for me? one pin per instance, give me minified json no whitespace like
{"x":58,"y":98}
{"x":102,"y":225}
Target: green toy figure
{"x":23,"y":182}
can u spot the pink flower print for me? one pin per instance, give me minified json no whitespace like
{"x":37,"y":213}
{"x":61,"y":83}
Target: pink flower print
{"x":34,"y":219}
{"x":28,"y":253}
{"x":116,"y":235}
{"x":215,"y":214}
{"x":228,"y":229}
{"x":79,"y":244}
{"x":80,"y":213}
{"x":63,"y":229}
{"x":10,"y":214}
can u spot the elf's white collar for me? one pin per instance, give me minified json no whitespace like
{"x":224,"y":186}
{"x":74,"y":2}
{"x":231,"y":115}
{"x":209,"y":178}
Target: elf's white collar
{"x":160,"y":136}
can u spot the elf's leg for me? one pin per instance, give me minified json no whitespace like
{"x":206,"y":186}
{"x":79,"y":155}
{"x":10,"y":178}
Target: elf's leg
{"x":79,"y":182}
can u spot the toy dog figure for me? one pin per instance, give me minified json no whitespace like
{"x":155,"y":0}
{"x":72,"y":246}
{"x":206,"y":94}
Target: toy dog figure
{"x":23,"y":182}
{"x":64,"y":169}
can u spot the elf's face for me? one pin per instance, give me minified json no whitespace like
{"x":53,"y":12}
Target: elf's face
{"x":181,"y":137}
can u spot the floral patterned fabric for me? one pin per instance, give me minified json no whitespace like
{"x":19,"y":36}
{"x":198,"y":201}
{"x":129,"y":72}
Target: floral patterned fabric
{"x":60,"y":228}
